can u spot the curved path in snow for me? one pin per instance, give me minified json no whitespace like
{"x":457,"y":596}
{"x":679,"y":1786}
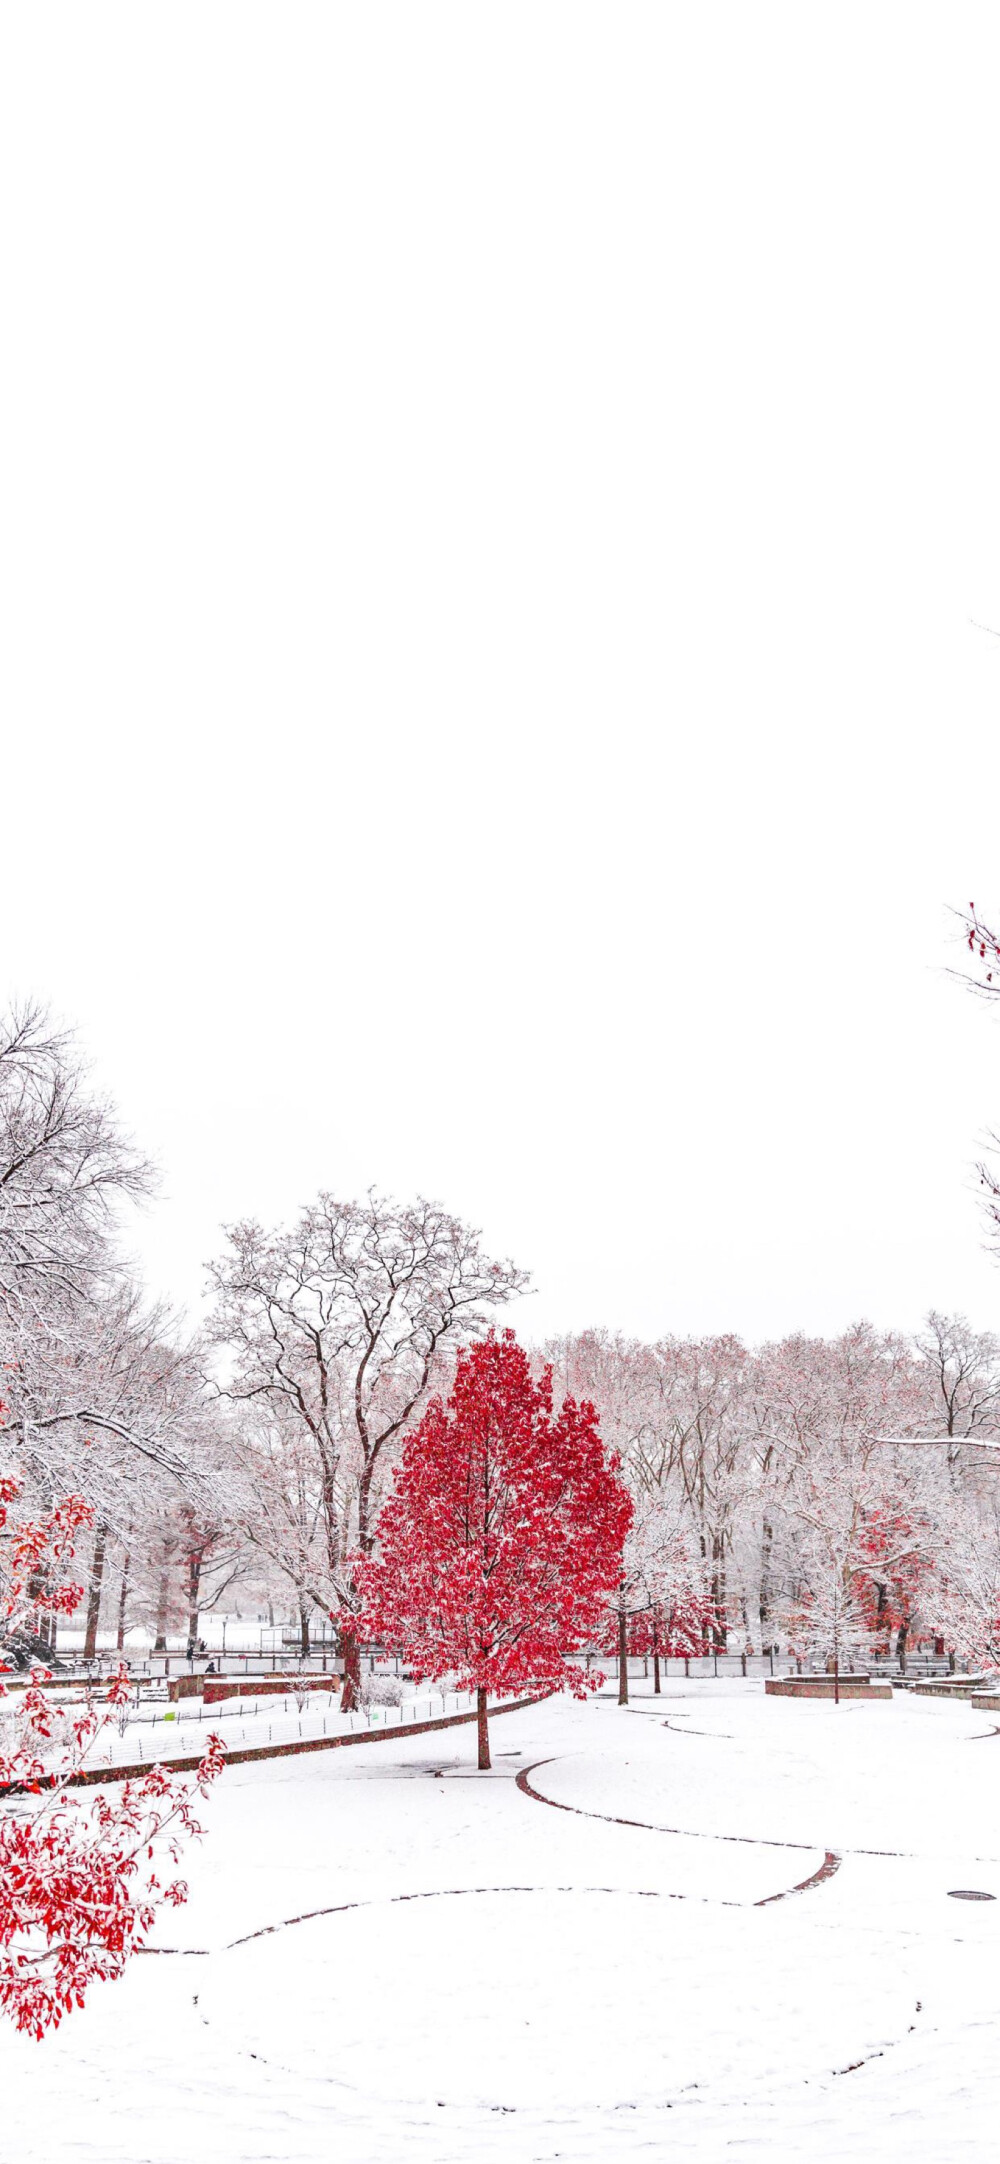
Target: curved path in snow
{"x":830,"y":1864}
{"x":392,"y":1956}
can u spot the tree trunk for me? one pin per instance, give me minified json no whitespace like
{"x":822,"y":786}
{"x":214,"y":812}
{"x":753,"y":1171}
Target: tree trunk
{"x":366,"y":1538}
{"x":483,"y":1732}
{"x":94,"y":1598}
{"x":194,"y":1588}
{"x":764,"y":1600}
{"x":40,"y":1616}
{"x":719,"y":1592}
{"x":162,"y":1603}
{"x":350,"y":1696}
{"x":882,"y":1626}
{"x":656,"y":1658}
{"x":622,"y":1657}
{"x":901,"y":1644}
{"x":122,"y":1599}
{"x":304,"y":1646}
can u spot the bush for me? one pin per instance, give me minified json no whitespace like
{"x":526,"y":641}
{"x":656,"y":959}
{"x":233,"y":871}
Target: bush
{"x":382,"y":1691}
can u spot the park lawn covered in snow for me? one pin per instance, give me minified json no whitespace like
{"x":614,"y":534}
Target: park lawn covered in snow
{"x":498,"y":1978}
{"x":161,"y":1732}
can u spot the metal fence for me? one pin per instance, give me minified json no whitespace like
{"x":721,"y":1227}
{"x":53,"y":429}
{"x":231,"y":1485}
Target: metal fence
{"x":322,"y":1660}
{"x":770,"y":1664}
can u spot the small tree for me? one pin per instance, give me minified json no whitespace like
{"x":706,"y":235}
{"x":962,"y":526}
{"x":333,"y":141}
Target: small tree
{"x":659,"y":1607}
{"x":501,"y":1542}
{"x":830,"y":1620}
{"x":853,"y":1539}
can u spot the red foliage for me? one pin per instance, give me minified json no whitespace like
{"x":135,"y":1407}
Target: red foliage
{"x":687,"y":1624}
{"x":501,"y":1541}
{"x":77,"y":1892}
{"x":35,"y":1551}
{"x":983,"y":945}
{"x":889,"y":1585}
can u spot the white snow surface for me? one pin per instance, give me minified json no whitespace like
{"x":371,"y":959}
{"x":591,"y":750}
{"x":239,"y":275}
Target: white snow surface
{"x":496,"y":1979}
{"x":158,"y":1734}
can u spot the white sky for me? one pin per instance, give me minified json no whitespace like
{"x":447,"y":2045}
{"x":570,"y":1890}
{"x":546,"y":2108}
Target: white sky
{"x":493,"y":502}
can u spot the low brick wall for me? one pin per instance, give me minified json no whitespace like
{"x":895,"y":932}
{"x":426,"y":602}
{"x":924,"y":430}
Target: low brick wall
{"x":951,"y":1686}
{"x":214,"y":1688}
{"x":265,"y":1687}
{"x":823,"y":1687}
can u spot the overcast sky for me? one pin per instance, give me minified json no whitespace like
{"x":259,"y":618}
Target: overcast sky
{"x":496,"y":504}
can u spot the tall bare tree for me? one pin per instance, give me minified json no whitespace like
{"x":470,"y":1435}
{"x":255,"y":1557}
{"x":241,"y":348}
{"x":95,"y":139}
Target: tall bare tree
{"x":343,"y":1322}
{"x":65,"y":1166}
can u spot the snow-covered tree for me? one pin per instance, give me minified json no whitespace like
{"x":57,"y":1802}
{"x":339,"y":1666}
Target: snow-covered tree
{"x":660,"y":1606}
{"x":65,"y":1168}
{"x":342,"y":1325}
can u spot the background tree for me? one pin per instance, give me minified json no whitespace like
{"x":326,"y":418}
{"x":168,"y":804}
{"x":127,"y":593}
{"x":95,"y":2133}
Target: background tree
{"x":661,"y":1606}
{"x":501,"y":1542}
{"x":852,"y":1542}
{"x":983,"y":945}
{"x":65,"y":1167}
{"x":964,"y":1368}
{"x":342,"y":1324}
{"x":78,"y":1888}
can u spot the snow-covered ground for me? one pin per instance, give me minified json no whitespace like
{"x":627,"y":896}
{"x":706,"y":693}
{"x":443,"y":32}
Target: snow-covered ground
{"x":158,"y":1732}
{"x":490,"y":1977}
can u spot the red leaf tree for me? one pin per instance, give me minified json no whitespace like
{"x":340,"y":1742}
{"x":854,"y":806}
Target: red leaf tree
{"x":900,"y":1545}
{"x":78,"y":1892}
{"x":501,"y":1541}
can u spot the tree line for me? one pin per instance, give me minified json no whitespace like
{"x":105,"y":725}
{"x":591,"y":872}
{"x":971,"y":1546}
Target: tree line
{"x":250,"y":1460}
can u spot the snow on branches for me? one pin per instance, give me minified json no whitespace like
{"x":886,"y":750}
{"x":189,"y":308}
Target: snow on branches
{"x":501,"y":1541}
{"x":337,"y":1330}
{"x":661,"y":1605}
{"x":983,"y":944}
{"x":78,"y":1888}
{"x":984,"y":947}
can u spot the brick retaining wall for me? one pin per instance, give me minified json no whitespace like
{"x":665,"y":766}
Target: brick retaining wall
{"x":823,"y":1686}
{"x":214,"y":1688}
{"x":952,"y":1687}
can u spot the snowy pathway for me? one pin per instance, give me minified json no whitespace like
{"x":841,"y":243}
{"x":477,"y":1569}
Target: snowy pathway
{"x":388,"y":1955}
